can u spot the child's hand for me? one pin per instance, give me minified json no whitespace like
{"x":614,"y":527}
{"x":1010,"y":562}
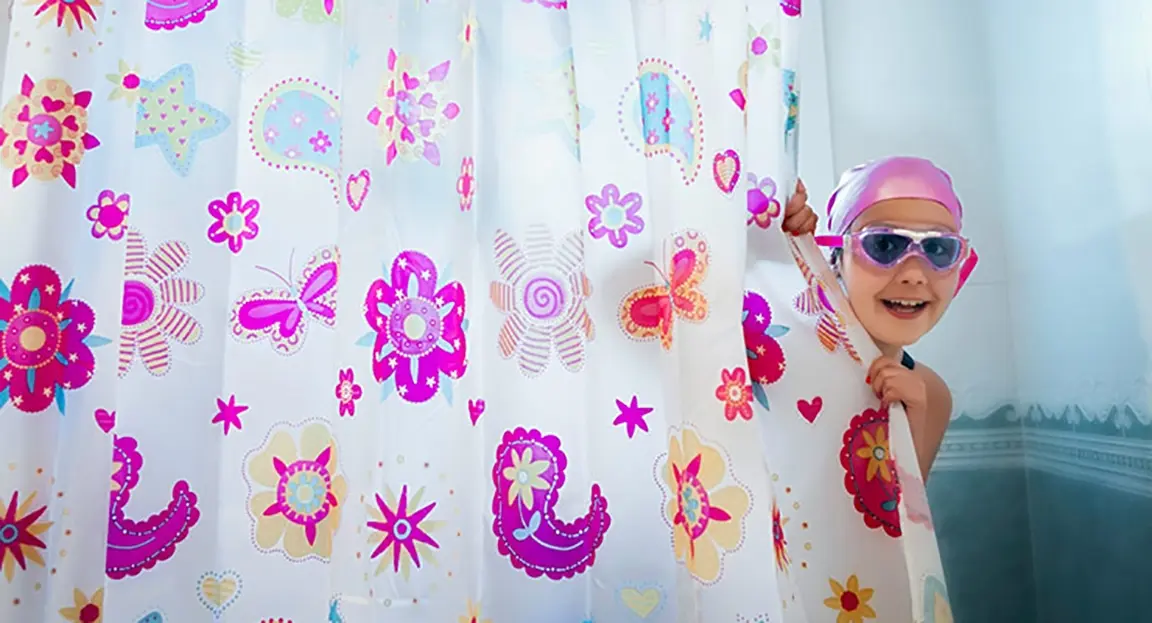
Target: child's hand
{"x":799,"y":219}
{"x":894,"y":383}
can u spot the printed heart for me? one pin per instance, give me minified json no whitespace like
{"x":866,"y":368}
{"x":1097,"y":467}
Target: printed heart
{"x":357,"y":189}
{"x":643,"y":603}
{"x":51,"y":105}
{"x":810,"y":410}
{"x":106,"y":420}
{"x":217,"y":590}
{"x":475,"y":409}
{"x":726,"y":170}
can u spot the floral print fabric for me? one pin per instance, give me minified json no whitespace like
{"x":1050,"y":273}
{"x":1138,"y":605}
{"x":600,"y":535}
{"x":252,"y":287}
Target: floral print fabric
{"x":430,"y":310}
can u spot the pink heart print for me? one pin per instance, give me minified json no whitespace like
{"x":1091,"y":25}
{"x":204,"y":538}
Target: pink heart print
{"x":726,"y":170}
{"x":356,"y":190}
{"x":810,"y":410}
{"x":475,"y":409}
{"x":105,"y":420}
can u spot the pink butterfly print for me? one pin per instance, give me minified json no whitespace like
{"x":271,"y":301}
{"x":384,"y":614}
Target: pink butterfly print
{"x":282,"y":314}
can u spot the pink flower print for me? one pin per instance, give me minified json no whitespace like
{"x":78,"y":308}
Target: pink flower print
{"x":736,"y":394}
{"x":466,"y":184}
{"x":44,"y":131}
{"x":271,"y":134}
{"x":614,"y":216}
{"x":109,"y":215}
{"x":292,"y":153}
{"x":234,"y":220}
{"x":348,"y":392}
{"x":766,"y":362}
{"x":652,"y":102}
{"x":298,"y":119}
{"x":419,"y":328}
{"x":653,"y":137}
{"x":45,"y":339}
{"x":412,"y":112}
{"x":152,"y":313}
{"x":320,"y":143}
{"x":401,"y":531}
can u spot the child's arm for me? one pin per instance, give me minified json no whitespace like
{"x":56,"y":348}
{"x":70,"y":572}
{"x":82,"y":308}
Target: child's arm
{"x":928,"y":430}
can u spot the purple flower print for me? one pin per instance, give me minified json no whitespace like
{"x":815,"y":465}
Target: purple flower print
{"x":419,"y":328}
{"x":233,"y":220}
{"x":298,"y":120}
{"x":413,"y":110}
{"x":614,"y":216}
{"x":271,"y":133}
{"x":320,"y":143}
{"x":348,"y":392}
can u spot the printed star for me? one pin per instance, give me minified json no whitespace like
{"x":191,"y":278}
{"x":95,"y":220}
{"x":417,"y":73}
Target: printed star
{"x":632,"y":416}
{"x":228,"y":413}
{"x":706,"y":27}
{"x":169,"y":116}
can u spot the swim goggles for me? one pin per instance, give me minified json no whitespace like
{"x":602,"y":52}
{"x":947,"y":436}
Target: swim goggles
{"x":885,"y":247}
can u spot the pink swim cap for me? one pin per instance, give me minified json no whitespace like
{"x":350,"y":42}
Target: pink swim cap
{"x":894,"y":177}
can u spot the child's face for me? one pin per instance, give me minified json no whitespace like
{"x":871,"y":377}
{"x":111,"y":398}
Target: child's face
{"x":874,"y":291}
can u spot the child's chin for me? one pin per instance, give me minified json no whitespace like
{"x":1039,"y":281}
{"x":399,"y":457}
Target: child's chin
{"x":897,"y":332}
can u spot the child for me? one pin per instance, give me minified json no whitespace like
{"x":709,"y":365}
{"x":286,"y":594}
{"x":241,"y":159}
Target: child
{"x":899,"y":220}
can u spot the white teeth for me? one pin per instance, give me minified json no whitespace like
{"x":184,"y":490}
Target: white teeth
{"x":906,"y":303}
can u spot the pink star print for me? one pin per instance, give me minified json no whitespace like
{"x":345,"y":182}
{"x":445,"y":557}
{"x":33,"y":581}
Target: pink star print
{"x":228,"y":413}
{"x":632,"y":416}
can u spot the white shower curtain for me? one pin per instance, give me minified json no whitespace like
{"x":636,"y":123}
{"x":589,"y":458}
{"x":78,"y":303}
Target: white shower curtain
{"x":428,"y":310}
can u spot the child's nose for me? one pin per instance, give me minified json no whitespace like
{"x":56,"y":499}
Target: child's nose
{"x":913,"y":272}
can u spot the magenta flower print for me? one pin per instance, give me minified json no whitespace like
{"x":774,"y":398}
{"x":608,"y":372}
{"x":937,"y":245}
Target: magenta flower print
{"x":44,"y":131}
{"x":234,"y":220}
{"x":348,"y":392}
{"x":321,"y":142}
{"x":45,"y":340}
{"x":417,"y":329}
{"x":109,"y":215}
{"x":402,"y":527}
{"x":614,"y":216}
{"x":412,"y":111}
{"x":766,"y":361}
{"x":466,"y":184}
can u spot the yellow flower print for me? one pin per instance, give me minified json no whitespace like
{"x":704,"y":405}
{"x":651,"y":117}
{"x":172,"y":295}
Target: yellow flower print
{"x":473,"y":615}
{"x":524,"y":475}
{"x":296,"y":496}
{"x":44,"y":131}
{"x":83,"y":609}
{"x":876,"y":451}
{"x":707,"y":519}
{"x":852,"y":602}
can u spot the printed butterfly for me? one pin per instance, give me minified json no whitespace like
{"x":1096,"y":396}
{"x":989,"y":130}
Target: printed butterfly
{"x":282,"y":315}
{"x":813,"y":301}
{"x":649,"y":312}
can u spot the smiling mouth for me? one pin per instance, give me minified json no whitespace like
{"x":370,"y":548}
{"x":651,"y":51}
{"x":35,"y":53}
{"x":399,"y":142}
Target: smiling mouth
{"x":905,"y":308}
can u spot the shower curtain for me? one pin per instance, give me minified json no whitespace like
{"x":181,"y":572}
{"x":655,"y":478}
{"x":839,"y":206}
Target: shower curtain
{"x":424,"y":310}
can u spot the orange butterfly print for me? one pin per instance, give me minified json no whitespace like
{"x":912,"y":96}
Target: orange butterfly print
{"x":649,"y":312}
{"x":813,"y":301}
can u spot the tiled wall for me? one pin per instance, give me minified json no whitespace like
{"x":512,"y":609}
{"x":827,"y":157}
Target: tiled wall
{"x":1046,"y":517}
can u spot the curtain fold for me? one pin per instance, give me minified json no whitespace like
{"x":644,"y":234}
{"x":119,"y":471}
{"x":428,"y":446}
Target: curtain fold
{"x":424,"y":310}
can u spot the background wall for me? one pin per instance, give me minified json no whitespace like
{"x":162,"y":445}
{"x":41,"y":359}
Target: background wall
{"x":1042,"y":111}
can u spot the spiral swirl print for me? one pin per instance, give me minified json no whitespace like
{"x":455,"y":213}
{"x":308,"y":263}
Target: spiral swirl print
{"x":544,"y":297}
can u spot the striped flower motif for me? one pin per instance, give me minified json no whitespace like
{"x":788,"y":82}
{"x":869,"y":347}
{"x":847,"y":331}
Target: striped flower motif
{"x":541,"y":293}
{"x":152,"y":315}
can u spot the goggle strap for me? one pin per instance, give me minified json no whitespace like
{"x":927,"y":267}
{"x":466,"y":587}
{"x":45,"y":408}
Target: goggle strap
{"x":830,"y":241}
{"x":967,"y":267}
